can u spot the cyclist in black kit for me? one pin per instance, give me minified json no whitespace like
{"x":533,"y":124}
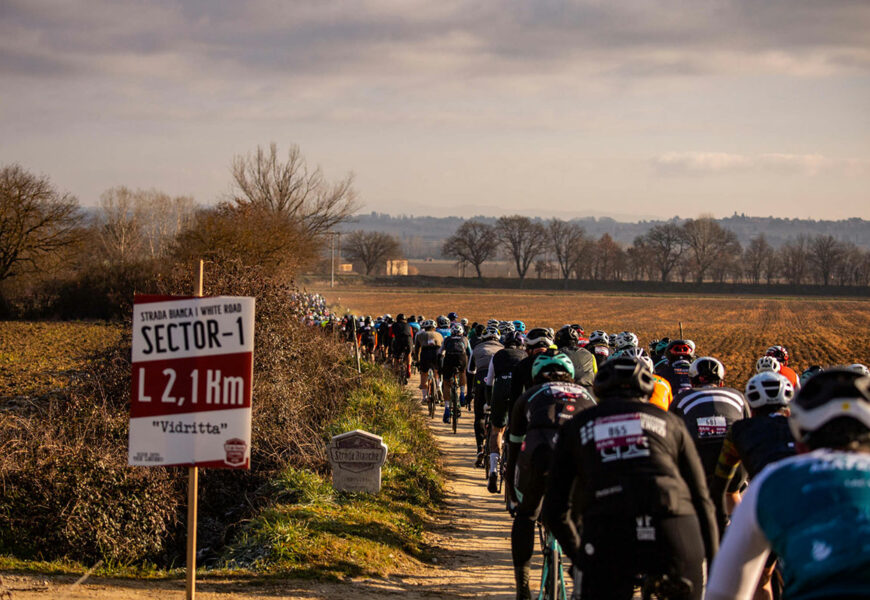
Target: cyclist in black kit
{"x":535,"y":419}
{"x":626,"y":474}
{"x":498,"y":390}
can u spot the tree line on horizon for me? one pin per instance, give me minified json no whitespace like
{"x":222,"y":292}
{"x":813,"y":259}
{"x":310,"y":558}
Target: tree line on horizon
{"x":57,"y":259}
{"x":697,"y":250}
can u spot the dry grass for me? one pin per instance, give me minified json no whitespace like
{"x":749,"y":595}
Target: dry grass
{"x":736,"y":330}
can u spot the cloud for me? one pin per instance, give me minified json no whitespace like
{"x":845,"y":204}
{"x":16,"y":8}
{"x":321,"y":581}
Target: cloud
{"x":698,"y":163}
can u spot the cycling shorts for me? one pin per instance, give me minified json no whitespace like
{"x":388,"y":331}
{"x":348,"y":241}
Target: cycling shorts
{"x":453,"y":363}
{"x":401,"y":347}
{"x":614,"y":550}
{"x":428,"y":360}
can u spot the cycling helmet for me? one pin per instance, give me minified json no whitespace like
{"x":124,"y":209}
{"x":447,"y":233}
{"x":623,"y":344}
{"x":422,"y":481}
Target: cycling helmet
{"x":539,"y":338}
{"x":492,"y":323}
{"x":457,"y":329}
{"x":566,"y":337}
{"x":490,"y":333}
{"x":767,"y":363}
{"x":677,"y":349}
{"x":859,"y":369}
{"x":412,"y":319}
{"x":779,"y":353}
{"x":551,"y":361}
{"x":598,"y":337}
{"x":519,"y":325}
{"x":636,"y":354}
{"x":368,"y":320}
{"x":464,"y":322}
{"x":627,"y":339}
{"x":623,"y":376}
{"x":769,"y":389}
{"x":388,"y":316}
{"x":706,"y":370}
{"x":452,"y":316}
{"x":442,"y":321}
{"x":810,"y":372}
{"x":514,"y":339}
{"x":662,"y":344}
{"x":428,"y":324}
{"x":506,"y":327}
{"x":832,"y":395}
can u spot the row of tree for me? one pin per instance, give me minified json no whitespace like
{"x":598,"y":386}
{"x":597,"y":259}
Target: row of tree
{"x":697,"y":250}
{"x":277,"y":216}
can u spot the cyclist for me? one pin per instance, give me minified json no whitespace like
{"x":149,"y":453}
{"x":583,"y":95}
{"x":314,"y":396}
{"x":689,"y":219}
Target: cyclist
{"x":756,"y":442}
{"x":662,"y":395}
{"x":810,"y":509}
{"x":679,"y":355}
{"x":709,"y":410}
{"x":403,"y":342}
{"x":780,"y":353}
{"x":535,"y":419}
{"x":628,"y":472}
{"x":368,"y":338}
{"x":453,"y":318}
{"x":809,"y":372}
{"x":566,"y":339}
{"x":498,"y":391}
{"x":384,"y":337}
{"x":442,"y":326}
{"x":537,"y":340}
{"x":454,"y":359}
{"x":478,"y":367}
{"x":412,"y":321}
{"x":427,"y":346}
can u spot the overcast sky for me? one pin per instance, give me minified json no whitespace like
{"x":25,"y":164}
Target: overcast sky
{"x":630,"y":109}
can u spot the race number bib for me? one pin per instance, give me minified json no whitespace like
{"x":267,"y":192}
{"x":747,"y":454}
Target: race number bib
{"x":709,"y":427}
{"x":617,"y":431}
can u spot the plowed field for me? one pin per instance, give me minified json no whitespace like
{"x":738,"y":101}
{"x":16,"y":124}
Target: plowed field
{"x":736,"y":330}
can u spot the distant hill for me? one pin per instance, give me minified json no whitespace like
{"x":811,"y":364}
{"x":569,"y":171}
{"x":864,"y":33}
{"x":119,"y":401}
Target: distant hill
{"x":422,"y":237}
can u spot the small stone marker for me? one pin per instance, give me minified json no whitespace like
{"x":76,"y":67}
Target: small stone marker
{"x":357,"y":457}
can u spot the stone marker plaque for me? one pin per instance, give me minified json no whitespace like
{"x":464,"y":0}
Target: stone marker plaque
{"x":357,"y":457}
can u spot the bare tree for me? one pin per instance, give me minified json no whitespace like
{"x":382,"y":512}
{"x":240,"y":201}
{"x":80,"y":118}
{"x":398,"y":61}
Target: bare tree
{"x":826,"y":253}
{"x":609,"y":259}
{"x":371,"y":248}
{"x":473,"y":243}
{"x":522,"y":240}
{"x":709,"y":242}
{"x":758,"y":259}
{"x":567,"y":241}
{"x":291,"y":188}
{"x":35,"y":221}
{"x":794,"y":257}
{"x":665,"y":244}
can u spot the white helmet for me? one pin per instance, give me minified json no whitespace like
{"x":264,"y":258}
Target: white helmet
{"x":767,"y":363}
{"x":859,"y":369}
{"x":598,"y":336}
{"x":769,"y":389}
{"x":456,"y":329}
{"x":626,"y":339}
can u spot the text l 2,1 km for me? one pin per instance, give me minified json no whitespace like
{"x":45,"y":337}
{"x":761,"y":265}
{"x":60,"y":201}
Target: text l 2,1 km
{"x":192,"y":381}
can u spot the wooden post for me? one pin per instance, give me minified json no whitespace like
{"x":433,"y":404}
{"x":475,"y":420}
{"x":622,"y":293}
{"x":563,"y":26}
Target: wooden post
{"x":681,"y":330}
{"x":192,"y":487}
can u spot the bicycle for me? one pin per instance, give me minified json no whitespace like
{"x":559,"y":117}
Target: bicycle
{"x":433,"y":392}
{"x":552,"y":574}
{"x":454,"y":401}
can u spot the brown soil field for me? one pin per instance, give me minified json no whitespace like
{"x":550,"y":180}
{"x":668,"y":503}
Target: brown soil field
{"x":735,"y":330}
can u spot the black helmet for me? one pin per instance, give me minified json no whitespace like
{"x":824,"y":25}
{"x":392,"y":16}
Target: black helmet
{"x":400,"y":318}
{"x":833,"y":395}
{"x":514,"y":339}
{"x":539,"y":338}
{"x":452,"y":316}
{"x":623,"y":376}
{"x":566,"y":337}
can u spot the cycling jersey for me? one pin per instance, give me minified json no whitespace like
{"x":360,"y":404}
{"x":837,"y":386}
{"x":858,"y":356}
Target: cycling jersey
{"x":403,"y":338}
{"x":481,"y":355}
{"x":499,"y":386}
{"x":811,"y":510}
{"x":790,"y":374}
{"x":601,"y":352}
{"x":444,"y":331}
{"x":709,"y":412}
{"x":630,"y":471}
{"x":662,"y":395}
{"x":584,"y":363}
{"x":426,"y":347}
{"x":677,"y":374}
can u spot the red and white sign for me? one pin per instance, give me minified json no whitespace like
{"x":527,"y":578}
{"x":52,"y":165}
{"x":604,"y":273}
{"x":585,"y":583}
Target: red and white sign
{"x":193,"y":370}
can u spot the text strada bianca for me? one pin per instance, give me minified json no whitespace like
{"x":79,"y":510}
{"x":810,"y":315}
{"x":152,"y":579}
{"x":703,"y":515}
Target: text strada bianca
{"x":192,"y":381}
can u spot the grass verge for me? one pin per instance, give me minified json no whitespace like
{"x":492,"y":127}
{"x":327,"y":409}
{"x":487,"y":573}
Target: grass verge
{"x":311,"y":530}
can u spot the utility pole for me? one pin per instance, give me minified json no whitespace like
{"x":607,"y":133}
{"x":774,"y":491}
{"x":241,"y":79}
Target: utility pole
{"x":332,"y":264}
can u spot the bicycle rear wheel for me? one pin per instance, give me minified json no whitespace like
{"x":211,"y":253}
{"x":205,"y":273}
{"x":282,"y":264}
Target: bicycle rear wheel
{"x":431,"y":394}
{"x":454,"y":405}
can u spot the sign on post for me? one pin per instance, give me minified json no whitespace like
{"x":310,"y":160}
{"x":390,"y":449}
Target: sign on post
{"x":193,"y":361}
{"x":357,"y":457}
